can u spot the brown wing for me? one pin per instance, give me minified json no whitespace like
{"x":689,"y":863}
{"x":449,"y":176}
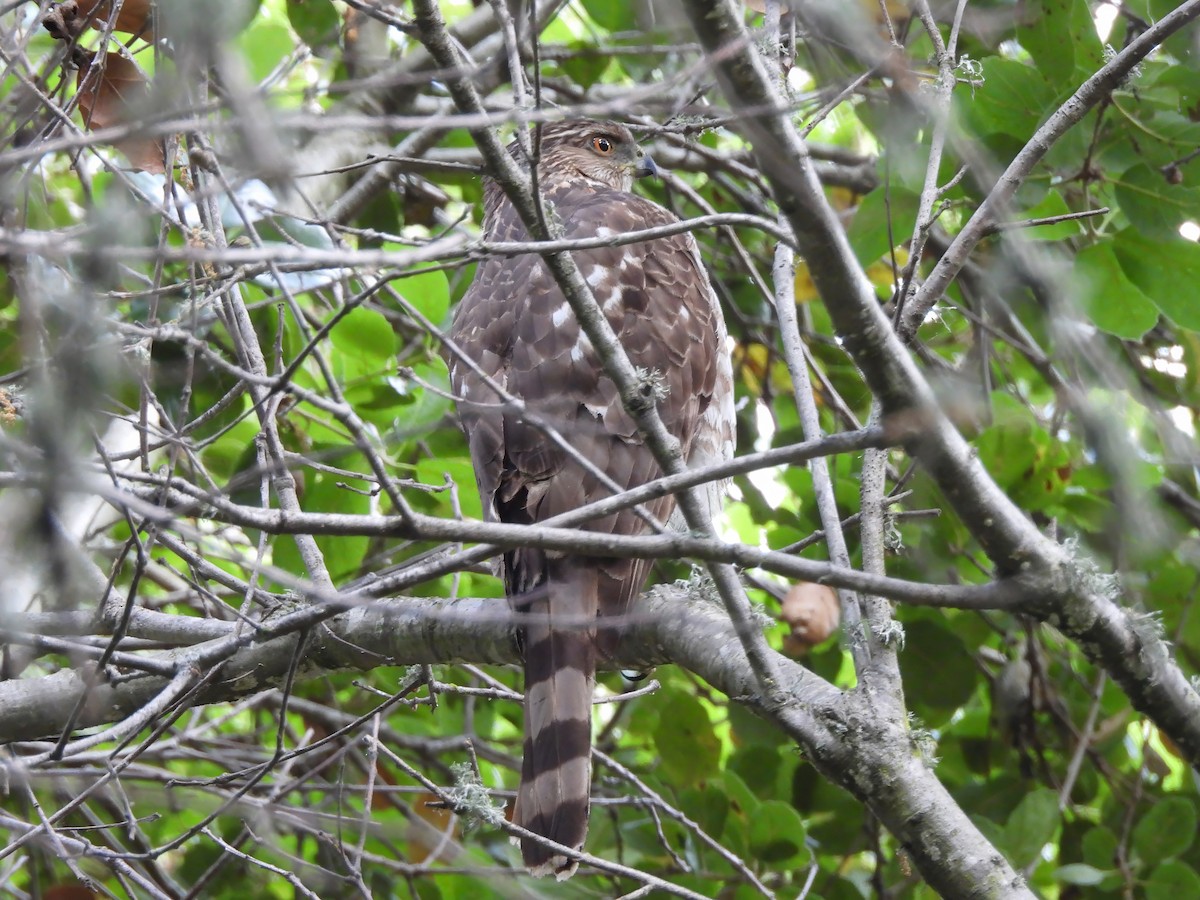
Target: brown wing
{"x":515,"y":322}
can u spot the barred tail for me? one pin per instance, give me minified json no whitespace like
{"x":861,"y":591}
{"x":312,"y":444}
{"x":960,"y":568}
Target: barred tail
{"x":560,"y":673}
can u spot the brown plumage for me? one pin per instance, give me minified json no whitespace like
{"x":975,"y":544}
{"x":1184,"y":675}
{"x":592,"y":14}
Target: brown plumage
{"x":516,"y":325}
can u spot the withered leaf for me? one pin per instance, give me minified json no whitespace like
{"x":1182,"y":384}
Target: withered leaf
{"x":107,"y":93}
{"x":813,"y":613}
{"x":68,"y":19}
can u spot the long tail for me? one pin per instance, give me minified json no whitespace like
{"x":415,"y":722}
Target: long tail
{"x":560,"y":673}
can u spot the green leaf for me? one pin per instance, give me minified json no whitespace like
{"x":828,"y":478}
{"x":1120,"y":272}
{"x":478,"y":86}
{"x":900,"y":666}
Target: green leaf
{"x":751,"y":729}
{"x":883,"y":220}
{"x":1183,"y":82}
{"x":1167,"y":271}
{"x":179,"y":21}
{"x":993,"y":832}
{"x":1061,"y":37}
{"x":306,"y":233}
{"x":434,"y":472}
{"x":1011,"y":101}
{"x":365,"y":334}
{"x":331,"y":492}
{"x":1079,"y":874}
{"x":741,"y":798}
{"x":686,"y":742}
{"x":707,"y":806}
{"x":263,"y":45}
{"x":1048,"y":37}
{"x":430,"y":406}
{"x":1180,"y":43}
{"x":759,"y":768}
{"x":316,"y":21}
{"x":584,"y":66}
{"x":224,"y":455}
{"x":777,"y":833}
{"x":612,"y":15}
{"x":1113,"y":302}
{"x":1172,"y":880}
{"x":1153,"y":205}
{"x":376,"y":401}
{"x":1167,"y":830}
{"x":429,"y":292}
{"x":1012,"y":446}
{"x":1031,"y":826}
{"x":939,"y":674}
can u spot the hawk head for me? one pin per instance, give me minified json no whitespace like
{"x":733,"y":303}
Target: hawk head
{"x":603,"y":154}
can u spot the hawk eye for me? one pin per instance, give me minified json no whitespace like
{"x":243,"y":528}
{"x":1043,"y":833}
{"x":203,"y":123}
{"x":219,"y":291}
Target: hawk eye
{"x":602,"y":145}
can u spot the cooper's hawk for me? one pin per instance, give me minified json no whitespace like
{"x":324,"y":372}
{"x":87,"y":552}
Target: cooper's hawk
{"x":516,"y":325}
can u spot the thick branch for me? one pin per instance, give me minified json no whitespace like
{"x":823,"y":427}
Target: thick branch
{"x":849,"y":747}
{"x":410,"y":631}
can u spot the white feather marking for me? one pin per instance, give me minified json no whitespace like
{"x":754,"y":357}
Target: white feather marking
{"x":596,"y":277}
{"x":558,"y":865}
{"x":568,"y":681}
{"x":574,"y":771}
{"x":615,"y":298}
{"x":604,"y":231}
{"x":582,"y":348}
{"x":560,"y":315}
{"x":715,"y":433}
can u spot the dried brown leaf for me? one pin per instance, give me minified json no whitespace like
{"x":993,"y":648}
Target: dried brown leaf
{"x":68,"y":892}
{"x":433,"y":830}
{"x":133,"y":16}
{"x":66,"y":21}
{"x":813,"y":613}
{"x":106,"y":95}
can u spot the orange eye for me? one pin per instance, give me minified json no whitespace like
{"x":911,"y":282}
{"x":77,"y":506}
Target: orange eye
{"x":602,"y":145}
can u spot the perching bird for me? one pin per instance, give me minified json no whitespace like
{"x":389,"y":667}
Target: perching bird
{"x":515,"y":324}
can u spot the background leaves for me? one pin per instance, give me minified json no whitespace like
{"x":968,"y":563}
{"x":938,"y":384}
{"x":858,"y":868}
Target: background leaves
{"x":1066,"y":353}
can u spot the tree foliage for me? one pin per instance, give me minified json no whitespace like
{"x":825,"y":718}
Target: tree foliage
{"x":252,"y":639}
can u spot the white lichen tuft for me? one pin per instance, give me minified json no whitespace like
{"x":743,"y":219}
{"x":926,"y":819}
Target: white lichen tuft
{"x":471,"y":799}
{"x":924,"y":743}
{"x":700,"y":587}
{"x":1135,"y":73}
{"x":653,"y":382}
{"x":1147,"y":625}
{"x":890,"y":633}
{"x":971,"y":69}
{"x":893,"y":540}
{"x":1085,"y":579}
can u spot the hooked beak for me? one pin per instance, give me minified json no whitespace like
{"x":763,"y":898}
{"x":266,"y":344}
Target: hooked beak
{"x":645,"y":166}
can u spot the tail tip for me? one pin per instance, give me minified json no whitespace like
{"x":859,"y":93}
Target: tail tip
{"x":560,"y":866}
{"x":539,"y":864}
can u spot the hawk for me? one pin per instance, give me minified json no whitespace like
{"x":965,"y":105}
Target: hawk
{"x":516,"y":326}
